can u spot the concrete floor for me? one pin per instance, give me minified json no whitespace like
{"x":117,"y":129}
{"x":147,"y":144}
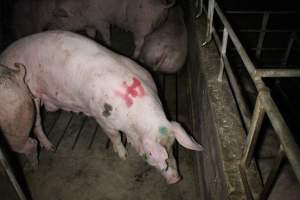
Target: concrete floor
{"x":82,"y":168}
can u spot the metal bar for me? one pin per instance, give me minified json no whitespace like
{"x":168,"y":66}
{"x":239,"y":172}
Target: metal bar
{"x":256,"y":121}
{"x":265,"y":31}
{"x":199,"y":5}
{"x":245,"y":182}
{"x":283,"y":132}
{"x":267,"y":49}
{"x":253,"y":133}
{"x":262,"y":34}
{"x":234,"y":84}
{"x":288,"y":50}
{"x":262,"y":12}
{"x":278,"y":72}
{"x":12,"y":176}
{"x":223,"y":53}
{"x":272,"y":175}
{"x":210,"y":17}
{"x":273,"y":66}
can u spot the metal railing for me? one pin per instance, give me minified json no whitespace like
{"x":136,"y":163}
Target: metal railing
{"x":263,"y":30}
{"x":264,"y":105}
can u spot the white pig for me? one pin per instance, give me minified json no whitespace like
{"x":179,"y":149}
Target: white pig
{"x":165,"y":49}
{"x":17,"y":114}
{"x":139,"y":16}
{"x":70,"y":72}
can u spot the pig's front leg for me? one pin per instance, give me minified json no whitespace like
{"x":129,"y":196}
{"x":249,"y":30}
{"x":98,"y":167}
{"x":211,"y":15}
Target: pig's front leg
{"x":115,"y":138}
{"x":104,"y":29}
{"x":91,"y":32}
{"x":38,"y":130}
{"x":138,"y":42}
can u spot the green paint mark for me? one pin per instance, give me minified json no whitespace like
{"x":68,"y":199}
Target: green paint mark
{"x":163,"y":130}
{"x":145,"y":157}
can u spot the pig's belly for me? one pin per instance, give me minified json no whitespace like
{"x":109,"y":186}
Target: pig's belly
{"x":56,"y":94}
{"x":52,"y":105}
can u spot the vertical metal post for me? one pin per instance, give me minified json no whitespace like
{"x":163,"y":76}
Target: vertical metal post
{"x":288,"y":49}
{"x":11,"y":176}
{"x":199,"y":6}
{"x":256,"y":121}
{"x":272,"y":176}
{"x":223,"y":53}
{"x":262,"y":34}
{"x":210,"y":17}
{"x":283,"y":132}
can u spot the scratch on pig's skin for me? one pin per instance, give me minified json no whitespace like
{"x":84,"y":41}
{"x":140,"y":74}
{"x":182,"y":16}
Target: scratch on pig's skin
{"x":107,"y":109}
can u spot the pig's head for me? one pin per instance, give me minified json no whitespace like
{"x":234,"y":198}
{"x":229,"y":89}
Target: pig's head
{"x":68,"y":15}
{"x":163,"y":57}
{"x":157,"y":149}
{"x":147,"y":15}
{"x":165,"y":49}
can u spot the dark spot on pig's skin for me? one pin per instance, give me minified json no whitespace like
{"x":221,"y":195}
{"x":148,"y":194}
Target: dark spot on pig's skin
{"x":107,"y":109}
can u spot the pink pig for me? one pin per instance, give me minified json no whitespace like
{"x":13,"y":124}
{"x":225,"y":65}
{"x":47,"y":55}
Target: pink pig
{"x":140,"y":17}
{"x":165,"y":49}
{"x":17,"y":114}
{"x":70,"y":72}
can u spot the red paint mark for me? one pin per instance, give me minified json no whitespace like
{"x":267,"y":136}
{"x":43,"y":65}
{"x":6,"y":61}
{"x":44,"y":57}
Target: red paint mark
{"x":134,"y":90}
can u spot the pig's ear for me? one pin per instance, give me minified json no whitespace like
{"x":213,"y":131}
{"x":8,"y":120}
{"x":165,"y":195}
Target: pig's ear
{"x":184,"y":139}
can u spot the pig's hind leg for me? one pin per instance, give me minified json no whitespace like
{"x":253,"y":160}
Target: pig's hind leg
{"x":30,"y":151}
{"x":38,"y":130}
{"x":26,"y":145}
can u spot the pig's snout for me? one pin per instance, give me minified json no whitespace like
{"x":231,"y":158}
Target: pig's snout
{"x":171,"y":176}
{"x":173,"y":179}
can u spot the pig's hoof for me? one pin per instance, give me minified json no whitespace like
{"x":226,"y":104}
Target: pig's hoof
{"x":120,"y":149}
{"x":31,"y":166}
{"x":29,"y":163}
{"x":123,"y":155}
{"x":136,"y":55}
{"x":48,"y":146}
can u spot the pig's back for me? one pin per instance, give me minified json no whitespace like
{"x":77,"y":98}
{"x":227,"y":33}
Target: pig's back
{"x":64,"y":68}
{"x":62,"y":47}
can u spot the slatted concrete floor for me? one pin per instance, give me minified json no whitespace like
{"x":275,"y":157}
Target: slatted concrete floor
{"x":83,"y":168}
